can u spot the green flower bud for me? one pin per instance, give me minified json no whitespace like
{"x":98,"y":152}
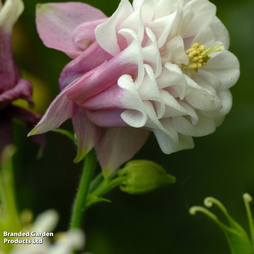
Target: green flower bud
{"x":142,"y":176}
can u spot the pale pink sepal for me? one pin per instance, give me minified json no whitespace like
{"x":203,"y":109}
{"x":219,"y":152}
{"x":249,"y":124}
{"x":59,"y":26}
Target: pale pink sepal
{"x":56,"y":22}
{"x":83,"y":129}
{"x":118,"y":145}
{"x":59,"y":111}
{"x":84,"y":33}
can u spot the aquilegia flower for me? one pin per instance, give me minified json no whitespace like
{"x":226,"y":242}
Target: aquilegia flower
{"x":12,"y":85}
{"x":157,"y":65}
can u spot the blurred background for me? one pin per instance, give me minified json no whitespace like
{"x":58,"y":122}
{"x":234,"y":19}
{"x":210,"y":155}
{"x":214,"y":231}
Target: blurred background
{"x":221,"y":164}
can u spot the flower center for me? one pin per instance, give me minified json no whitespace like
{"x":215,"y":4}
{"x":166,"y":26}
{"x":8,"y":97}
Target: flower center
{"x":198,"y":56}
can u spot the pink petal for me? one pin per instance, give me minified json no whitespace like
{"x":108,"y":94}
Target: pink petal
{"x":101,"y":78}
{"x":23,"y":90}
{"x":59,"y":111}
{"x":117,"y":146}
{"x":84,"y":129}
{"x":56,"y":22}
{"x":88,"y":60}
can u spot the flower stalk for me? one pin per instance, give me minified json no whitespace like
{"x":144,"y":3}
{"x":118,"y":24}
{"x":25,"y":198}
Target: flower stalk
{"x":81,"y":198}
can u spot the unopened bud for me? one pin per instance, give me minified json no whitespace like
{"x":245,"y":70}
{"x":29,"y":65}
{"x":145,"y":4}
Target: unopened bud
{"x":143,"y":176}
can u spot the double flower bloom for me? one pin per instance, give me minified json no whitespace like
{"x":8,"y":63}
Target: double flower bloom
{"x":160,"y":66}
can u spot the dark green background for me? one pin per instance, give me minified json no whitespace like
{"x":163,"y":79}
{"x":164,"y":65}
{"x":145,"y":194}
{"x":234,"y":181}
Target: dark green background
{"x":221,"y":164}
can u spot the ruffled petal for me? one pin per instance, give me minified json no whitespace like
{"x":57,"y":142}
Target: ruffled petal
{"x":204,"y":12}
{"x":117,"y":146}
{"x":56,"y":22}
{"x":225,"y":66}
{"x":168,"y":146}
{"x":106,"y":32}
{"x":101,"y":78}
{"x":86,"y":61}
{"x":220,"y":31}
{"x":204,"y":126}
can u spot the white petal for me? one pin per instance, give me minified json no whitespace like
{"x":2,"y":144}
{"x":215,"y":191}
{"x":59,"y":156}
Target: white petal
{"x":190,"y":111}
{"x":137,"y":4}
{"x":176,"y":52}
{"x":172,"y":76}
{"x":206,"y":78}
{"x":161,"y":27}
{"x":151,"y":53}
{"x":149,"y":91}
{"x":147,"y":10}
{"x":220,"y":31}
{"x":133,"y":54}
{"x":135,"y":115}
{"x":201,"y":98}
{"x":204,"y":127}
{"x":134,"y":22}
{"x":173,"y":108}
{"x":226,"y":104}
{"x":164,"y":8}
{"x":166,"y":143}
{"x":155,"y":124}
{"x":105,"y":33}
{"x":168,"y":146}
{"x":204,"y":12}
{"x":226,"y":67}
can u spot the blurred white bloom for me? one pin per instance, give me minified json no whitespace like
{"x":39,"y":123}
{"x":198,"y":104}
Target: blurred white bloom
{"x":65,"y":244}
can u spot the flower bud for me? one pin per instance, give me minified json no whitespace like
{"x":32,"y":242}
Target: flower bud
{"x":143,"y":176}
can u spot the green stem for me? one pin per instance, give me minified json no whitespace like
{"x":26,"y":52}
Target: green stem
{"x":103,"y":190}
{"x":80,"y":201}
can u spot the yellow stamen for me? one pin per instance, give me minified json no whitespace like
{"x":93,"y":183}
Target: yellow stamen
{"x":198,"y":56}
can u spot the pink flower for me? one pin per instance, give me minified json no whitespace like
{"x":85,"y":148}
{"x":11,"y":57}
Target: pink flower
{"x":12,"y":85}
{"x":156,"y":65}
